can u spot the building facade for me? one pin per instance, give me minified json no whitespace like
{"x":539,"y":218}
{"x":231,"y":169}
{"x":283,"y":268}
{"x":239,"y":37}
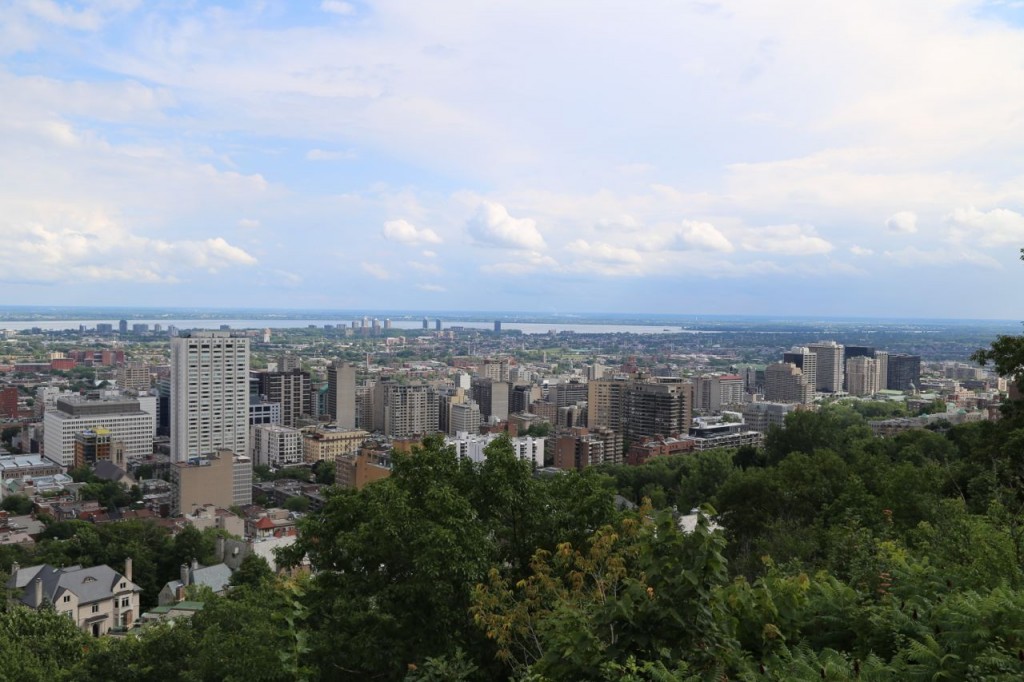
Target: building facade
{"x":209,"y":394}
{"x":123,"y":418}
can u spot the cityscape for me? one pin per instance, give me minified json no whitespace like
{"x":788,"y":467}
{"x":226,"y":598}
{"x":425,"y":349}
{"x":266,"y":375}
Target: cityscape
{"x":348,"y":340}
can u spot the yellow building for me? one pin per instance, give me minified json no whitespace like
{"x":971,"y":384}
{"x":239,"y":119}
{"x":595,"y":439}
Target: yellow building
{"x":326,"y":445}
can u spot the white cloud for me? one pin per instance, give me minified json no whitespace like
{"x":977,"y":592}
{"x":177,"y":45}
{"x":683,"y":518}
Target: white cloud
{"x":994,"y":228}
{"x":70,"y":245}
{"x":337,"y":7}
{"x":699,"y":235}
{"x":248,"y":223}
{"x":429,"y":268}
{"x":604,"y":252}
{"x":376,"y":271}
{"x":904,"y":222}
{"x":622,"y":223}
{"x":861,"y":251}
{"x":430,"y":287}
{"x":429,"y":254}
{"x":493,"y":225}
{"x":404,"y":232}
{"x":793,"y":240}
{"x":520,"y":262}
{"x":912,"y":256}
{"x":328,"y":155}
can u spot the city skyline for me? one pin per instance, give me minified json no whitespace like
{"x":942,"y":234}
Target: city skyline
{"x":687,"y":159}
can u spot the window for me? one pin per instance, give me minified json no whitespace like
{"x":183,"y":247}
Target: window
{"x":125,"y":602}
{"x":67,"y":598}
{"x":95,"y":608}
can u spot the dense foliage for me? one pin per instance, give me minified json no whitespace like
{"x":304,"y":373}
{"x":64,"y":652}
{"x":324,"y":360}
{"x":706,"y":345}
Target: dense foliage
{"x":841,"y":556}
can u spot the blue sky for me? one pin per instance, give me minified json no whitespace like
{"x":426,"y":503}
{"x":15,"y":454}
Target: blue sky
{"x":745,"y":157}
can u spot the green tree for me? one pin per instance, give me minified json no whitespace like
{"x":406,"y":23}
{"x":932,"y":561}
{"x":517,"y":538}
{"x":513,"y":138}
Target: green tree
{"x":254,"y":571}
{"x":18,"y":505}
{"x":395,"y":562}
{"x":39,"y":645}
{"x":297,"y":503}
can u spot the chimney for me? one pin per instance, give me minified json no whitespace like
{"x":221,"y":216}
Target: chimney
{"x":39,"y":592}
{"x":195,"y":563}
{"x":220,"y":549}
{"x":128,"y":569}
{"x":14,"y":569}
{"x":184,"y":575}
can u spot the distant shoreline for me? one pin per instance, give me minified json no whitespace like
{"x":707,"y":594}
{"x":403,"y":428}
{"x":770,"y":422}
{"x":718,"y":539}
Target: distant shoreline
{"x":682,"y":322}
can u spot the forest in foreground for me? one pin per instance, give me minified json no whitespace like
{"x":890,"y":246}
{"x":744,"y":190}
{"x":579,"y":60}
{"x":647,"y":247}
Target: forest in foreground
{"x":829,"y":554}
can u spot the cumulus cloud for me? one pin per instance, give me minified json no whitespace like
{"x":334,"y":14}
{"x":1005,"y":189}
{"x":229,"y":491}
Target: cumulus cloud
{"x":430,"y":287}
{"x":376,"y":271}
{"x":68,"y":245}
{"x":792,"y":240}
{"x":861,"y":251}
{"x":700,"y":235}
{"x":997,"y":227}
{"x":904,"y":222}
{"x":604,"y":252}
{"x":338,"y":7}
{"x":248,"y":223}
{"x":493,"y":225}
{"x":404,"y":232}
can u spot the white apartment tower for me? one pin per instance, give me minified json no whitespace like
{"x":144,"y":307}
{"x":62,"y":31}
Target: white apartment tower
{"x":209,"y":394}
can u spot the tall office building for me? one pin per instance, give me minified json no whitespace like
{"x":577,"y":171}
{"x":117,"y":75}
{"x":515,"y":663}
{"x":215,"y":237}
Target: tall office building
{"x":463,"y":418}
{"x":829,"y":367}
{"x":661,"y":409}
{"x":786,"y":383}
{"x":404,"y":410}
{"x":806,"y":361}
{"x":861,"y":375}
{"x":497,"y":326}
{"x":209,"y":394}
{"x":605,"y":398}
{"x":882,"y":359}
{"x":341,"y":394}
{"x":859,"y":351}
{"x":714,"y":392}
{"x":492,"y":397}
{"x":904,"y":372}
{"x":291,"y":391}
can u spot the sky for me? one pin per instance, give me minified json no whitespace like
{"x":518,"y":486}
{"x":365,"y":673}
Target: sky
{"x":665,"y":156}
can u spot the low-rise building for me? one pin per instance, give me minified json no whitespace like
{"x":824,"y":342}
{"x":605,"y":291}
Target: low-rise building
{"x":326,"y":445}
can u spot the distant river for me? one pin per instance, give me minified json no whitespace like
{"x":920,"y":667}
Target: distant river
{"x":525,"y":327}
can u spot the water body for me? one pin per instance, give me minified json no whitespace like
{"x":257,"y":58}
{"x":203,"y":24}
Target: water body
{"x":239,"y":324}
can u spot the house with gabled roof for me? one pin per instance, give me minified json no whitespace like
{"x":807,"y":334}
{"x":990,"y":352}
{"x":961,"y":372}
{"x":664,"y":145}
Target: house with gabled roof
{"x":98,"y":599}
